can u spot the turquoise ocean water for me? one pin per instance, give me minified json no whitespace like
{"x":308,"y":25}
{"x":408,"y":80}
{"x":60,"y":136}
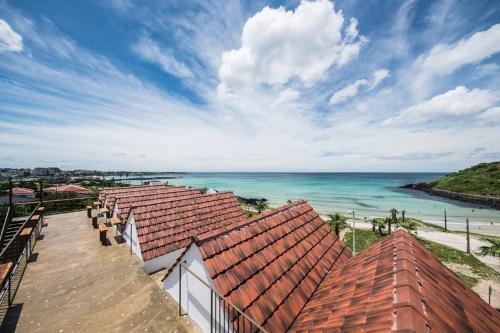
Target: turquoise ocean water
{"x":368,"y":194}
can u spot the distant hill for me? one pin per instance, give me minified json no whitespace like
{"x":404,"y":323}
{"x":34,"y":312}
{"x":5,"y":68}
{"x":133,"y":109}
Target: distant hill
{"x":482,"y":179}
{"x":478,"y":184}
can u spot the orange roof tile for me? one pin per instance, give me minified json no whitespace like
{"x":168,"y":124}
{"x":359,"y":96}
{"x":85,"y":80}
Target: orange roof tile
{"x":141,"y":198}
{"x":67,"y":188}
{"x":270,"y":264}
{"x":126,"y":189}
{"x":166,"y":226}
{"x":395,"y":285}
{"x":22,"y":191}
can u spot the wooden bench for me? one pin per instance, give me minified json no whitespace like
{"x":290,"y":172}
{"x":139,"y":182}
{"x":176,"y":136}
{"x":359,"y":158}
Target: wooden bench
{"x":115,"y":221}
{"x":105,"y":212}
{"x":94,"y":219}
{"x":26,"y":232}
{"x":102,"y":233}
{"x":89,"y":211}
{"x":4,"y":273}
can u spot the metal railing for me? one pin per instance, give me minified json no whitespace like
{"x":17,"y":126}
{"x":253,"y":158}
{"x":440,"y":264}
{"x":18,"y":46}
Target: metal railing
{"x":17,"y":249}
{"x":224,"y":315}
{"x":4,"y":226}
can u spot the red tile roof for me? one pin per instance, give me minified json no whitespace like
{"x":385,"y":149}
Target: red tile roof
{"x":269,"y":265}
{"x":143,"y":198}
{"x":22,"y":191}
{"x":395,"y":285}
{"x":168,"y":226}
{"x":67,"y":188}
{"x":126,"y":189}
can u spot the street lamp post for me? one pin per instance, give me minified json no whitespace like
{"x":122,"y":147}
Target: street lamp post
{"x":445,"y":221}
{"x":353,"y":233}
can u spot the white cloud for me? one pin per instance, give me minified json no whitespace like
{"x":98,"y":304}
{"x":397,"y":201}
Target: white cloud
{"x":490,"y":116}
{"x":378,"y":76}
{"x":458,"y":102}
{"x":352,"y":89}
{"x":444,"y":59}
{"x":147,"y":49}
{"x":10,"y":41}
{"x":279,"y":45}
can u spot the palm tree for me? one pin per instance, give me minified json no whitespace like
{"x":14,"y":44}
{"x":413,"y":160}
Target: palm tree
{"x":261,"y":205}
{"x":394,"y":218}
{"x":337,"y":222}
{"x":380,"y":224}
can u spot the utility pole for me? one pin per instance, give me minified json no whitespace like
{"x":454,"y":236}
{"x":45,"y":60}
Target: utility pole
{"x":467,"y":230}
{"x":445,"y":221}
{"x":353,"y":234}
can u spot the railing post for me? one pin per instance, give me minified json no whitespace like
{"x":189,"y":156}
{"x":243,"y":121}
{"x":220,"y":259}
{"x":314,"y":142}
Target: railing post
{"x":10,"y":283}
{"x":41,"y":192}
{"x":180,"y":289}
{"x":211,"y":310}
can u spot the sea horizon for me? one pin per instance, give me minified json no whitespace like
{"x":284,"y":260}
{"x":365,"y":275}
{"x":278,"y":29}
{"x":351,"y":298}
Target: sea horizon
{"x":369,"y":194}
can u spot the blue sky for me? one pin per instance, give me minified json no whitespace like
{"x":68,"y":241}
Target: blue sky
{"x":250,"y":86}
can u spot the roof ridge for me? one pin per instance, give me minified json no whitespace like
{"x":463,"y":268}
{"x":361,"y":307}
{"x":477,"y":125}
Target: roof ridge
{"x":251,"y":220}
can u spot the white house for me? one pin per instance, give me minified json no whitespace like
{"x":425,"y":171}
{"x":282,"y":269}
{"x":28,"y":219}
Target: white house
{"x":267,"y":266}
{"x":159,"y":231}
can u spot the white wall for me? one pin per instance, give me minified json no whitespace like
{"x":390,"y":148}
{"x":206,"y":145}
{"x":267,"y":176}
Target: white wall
{"x":195,"y":296}
{"x":130,"y":236}
{"x":161,"y":262}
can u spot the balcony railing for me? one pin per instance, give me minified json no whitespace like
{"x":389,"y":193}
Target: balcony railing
{"x":224,"y":315}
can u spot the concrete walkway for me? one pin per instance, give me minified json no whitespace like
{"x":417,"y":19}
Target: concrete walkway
{"x":77,"y":285}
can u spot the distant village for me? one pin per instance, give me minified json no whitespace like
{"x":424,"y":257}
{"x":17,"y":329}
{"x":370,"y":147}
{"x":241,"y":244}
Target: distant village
{"x":57,"y":174}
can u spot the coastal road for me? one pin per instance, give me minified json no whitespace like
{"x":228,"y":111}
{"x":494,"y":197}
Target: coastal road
{"x":459,"y":242}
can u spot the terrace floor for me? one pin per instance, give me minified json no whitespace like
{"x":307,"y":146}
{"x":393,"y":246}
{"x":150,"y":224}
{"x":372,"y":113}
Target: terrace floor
{"x":75,"y":284}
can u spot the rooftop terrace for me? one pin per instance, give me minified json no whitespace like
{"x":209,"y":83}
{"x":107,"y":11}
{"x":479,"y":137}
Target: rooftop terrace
{"x":75,"y":284}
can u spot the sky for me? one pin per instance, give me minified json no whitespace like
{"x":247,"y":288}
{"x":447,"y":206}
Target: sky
{"x":320,"y":86}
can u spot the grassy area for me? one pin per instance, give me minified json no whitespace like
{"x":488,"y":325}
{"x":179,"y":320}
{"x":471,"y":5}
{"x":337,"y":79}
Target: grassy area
{"x":364,"y":239}
{"x":482,"y":179}
{"x":450,"y":255}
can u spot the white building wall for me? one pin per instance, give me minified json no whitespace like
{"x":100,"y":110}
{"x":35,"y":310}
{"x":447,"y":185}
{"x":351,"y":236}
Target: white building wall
{"x":162,"y":262}
{"x":130,"y":236}
{"x":195,"y":296}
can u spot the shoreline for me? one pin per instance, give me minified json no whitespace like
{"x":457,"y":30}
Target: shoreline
{"x":483,"y":200}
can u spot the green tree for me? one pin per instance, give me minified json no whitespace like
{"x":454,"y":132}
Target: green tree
{"x":337,"y":222}
{"x":394,"y":219}
{"x":379,"y":224}
{"x":261,"y":205}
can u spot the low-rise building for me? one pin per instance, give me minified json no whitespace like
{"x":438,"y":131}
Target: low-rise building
{"x":267,"y":266}
{"x":22,"y":192}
